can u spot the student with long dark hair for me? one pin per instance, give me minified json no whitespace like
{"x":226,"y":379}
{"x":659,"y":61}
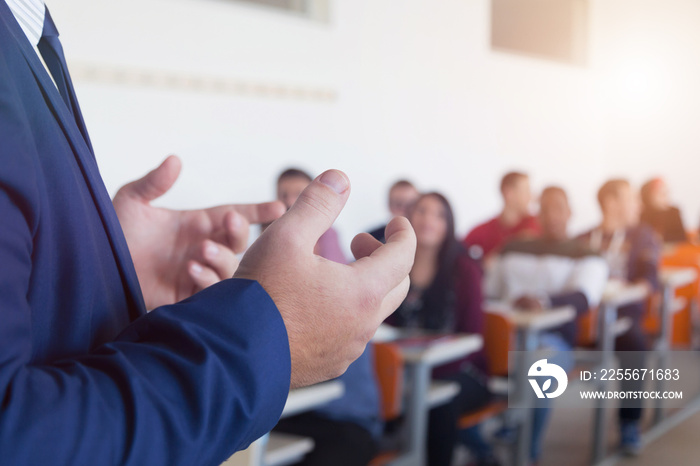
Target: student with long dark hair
{"x":446,"y":296}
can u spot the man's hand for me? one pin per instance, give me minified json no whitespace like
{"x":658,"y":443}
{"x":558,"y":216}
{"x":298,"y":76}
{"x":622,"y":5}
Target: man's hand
{"x":330,"y":310}
{"x":178,"y":252}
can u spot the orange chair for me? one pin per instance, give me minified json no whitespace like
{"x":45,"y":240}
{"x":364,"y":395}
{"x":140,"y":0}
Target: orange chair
{"x":498,"y":341}
{"x":384,"y":458}
{"x":684,"y":255}
{"x":588,"y":329}
{"x":651,"y":320}
{"x":478,"y":416}
{"x":389,"y":368}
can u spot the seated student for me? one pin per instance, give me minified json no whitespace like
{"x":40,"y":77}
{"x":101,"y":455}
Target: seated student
{"x":550,"y":271}
{"x":514,"y":220}
{"x":658,"y":213}
{"x":345,"y":431}
{"x":445,"y":296}
{"x":401,"y":195}
{"x":290,"y":184}
{"x":632,"y":252}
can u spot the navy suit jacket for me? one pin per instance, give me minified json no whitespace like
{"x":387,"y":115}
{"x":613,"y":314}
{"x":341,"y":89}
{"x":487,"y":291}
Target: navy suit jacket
{"x":86,"y":376}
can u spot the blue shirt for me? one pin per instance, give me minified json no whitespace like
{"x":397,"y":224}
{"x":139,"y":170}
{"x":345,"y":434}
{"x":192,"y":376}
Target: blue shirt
{"x":360,"y":402}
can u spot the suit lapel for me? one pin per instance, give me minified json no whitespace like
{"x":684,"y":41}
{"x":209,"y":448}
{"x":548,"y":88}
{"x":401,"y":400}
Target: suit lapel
{"x":82,"y":151}
{"x":78,"y":117}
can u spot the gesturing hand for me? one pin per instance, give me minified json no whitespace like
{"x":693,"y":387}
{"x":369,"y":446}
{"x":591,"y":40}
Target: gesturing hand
{"x":178,"y":252}
{"x":330,"y":310}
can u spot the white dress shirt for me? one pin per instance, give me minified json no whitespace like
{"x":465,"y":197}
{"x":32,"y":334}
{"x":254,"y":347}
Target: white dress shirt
{"x":30,"y":15}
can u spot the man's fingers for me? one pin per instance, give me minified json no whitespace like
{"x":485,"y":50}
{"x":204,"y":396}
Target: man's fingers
{"x":397,"y":225}
{"x":253,"y":213}
{"x":237,"y":230}
{"x":156,"y":183}
{"x":390,"y":263}
{"x":201,"y":275}
{"x":219,"y":258}
{"x":316,"y":208}
{"x":265,"y":212}
{"x":394,"y":299}
{"x":363,"y":245}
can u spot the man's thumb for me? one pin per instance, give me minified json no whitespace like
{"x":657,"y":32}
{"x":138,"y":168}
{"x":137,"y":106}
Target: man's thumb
{"x":317,"y":207}
{"x":156,"y":182}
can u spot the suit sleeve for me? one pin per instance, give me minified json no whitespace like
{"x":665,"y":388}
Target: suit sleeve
{"x":187,"y":384}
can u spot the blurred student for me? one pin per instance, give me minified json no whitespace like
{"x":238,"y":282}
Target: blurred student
{"x":658,"y":213}
{"x":550,"y":271}
{"x":632,"y":252}
{"x":402,"y":195}
{"x":514,"y":220}
{"x":290,"y":184}
{"x":345,"y":431}
{"x":445,"y":296}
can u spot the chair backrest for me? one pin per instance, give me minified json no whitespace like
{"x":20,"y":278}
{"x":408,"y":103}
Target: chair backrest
{"x":389,"y":366}
{"x":651,"y":320}
{"x":499,"y":338}
{"x":587,"y":328}
{"x":685,"y":255}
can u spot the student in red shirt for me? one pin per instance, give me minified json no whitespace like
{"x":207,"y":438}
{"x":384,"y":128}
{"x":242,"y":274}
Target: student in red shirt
{"x":514,"y":220}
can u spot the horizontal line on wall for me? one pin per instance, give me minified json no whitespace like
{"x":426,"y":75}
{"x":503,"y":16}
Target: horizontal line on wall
{"x":174,"y":81}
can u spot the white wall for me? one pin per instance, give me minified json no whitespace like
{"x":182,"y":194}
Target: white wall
{"x":418,"y":94}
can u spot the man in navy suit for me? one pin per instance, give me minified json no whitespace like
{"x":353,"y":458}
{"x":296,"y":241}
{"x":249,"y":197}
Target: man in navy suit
{"x":86,"y":375}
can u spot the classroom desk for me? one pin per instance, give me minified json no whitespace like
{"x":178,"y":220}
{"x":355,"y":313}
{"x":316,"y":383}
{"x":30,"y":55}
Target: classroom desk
{"x":420,"y":358}
{"x":386,"y":333}
{"x":528,"y":326}
{"x":617,"y":294}
{"x":671,"y":279}
{"x":685,"y":255}
{"x":299,"y":400}
{"x":308,"y":398}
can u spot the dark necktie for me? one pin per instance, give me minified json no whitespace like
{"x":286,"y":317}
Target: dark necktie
{"x":51,"y":50}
